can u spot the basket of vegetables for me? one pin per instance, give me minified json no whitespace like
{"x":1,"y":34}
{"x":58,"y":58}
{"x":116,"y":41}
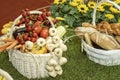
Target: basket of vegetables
{"x":35,"y":49}
{"x":101,"y":42}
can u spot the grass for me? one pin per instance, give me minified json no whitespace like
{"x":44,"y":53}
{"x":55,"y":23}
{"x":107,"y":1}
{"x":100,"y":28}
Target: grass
{"x":79,"y":67}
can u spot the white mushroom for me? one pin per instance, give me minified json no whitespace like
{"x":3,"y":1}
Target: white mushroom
{"x":28,"y":45}
{"x":41,"y":42}
{"x":58,"y":67}
{"x":52,"y":32}
{"x":52,"y":73}
{"x":59,"y":72}
{"x":49,"y":40}
{"x":62,"y":60}
{"x":52,"y":62}
{"x":63,"y":47}
{"x":56,"y":39}
{"x":58,"y":52}
{"x":49,"y":68}
{"x":50,"y":47}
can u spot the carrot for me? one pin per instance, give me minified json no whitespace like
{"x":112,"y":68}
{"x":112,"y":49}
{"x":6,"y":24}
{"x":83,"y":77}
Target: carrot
{"x":12,"y":45}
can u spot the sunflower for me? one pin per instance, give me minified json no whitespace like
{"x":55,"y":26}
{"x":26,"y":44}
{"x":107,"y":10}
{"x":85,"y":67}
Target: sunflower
{"x":101,"y":8}
{"x":109,"y":16}
{"x":106,"y":4}
{"x":73,"y":3}
{"x":91,"y":5}
{"x":117,"y":1}
{"x":82,"y":8}
{"x":59,"y":2}
{"x":114,"y":10}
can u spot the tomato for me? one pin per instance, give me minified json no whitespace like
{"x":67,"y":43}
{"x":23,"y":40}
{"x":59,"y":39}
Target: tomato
{"x":35,"y":34}
{"x":44,"y":32}
{"x":36,"y":24}
{"x":37,"y":27}
{"x":33,"y":39}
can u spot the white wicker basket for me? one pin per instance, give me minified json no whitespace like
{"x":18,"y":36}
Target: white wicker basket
{"x":5,"y":74}
{"x":103,"y":57}
{"x":29,"y":65}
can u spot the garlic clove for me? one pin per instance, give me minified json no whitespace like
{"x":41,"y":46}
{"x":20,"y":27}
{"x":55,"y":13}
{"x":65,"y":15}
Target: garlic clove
{"x":62,"y":60}
{"x":59,"y":72}
{"x":63,"y":47}
{"x":52,"y":32}
{"x":52,"y":62}
{"x":52,"y":73}
{"x":58,"y":67}
{"x":58,"y":52}
{"x":49,"y":68}
{"x":49,"y":40}
{"x":50,"y":47}
{"x":41,"y":42}
{"x":28,"y":45}
{"x":56,"y":39}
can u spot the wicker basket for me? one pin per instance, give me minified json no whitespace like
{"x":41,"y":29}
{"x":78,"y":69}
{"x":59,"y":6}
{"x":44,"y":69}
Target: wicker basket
{"x":103,"y":57}
{"x":29,"y":65}
{"x":5,"y":75}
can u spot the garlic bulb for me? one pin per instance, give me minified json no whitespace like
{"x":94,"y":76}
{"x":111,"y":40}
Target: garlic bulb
{"x":41,"y":42}
{"x":50,"y":47}
{"x":52,"y":32}
{"x":59,"y":72}
{"x":62,"y":60}
{"x":52,"y":62}
{"x":56,"y":39}
{"x":58,"y":67}
{"x":52,"y":73}
{"x":49,"y":68}
{"x":63,"y":47}
{"x":49,"y":40}
{"x":58,"y":52}
{"x":28,"y":45}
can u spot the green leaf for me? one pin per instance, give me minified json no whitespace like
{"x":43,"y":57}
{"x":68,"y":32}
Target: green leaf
{"x":69,"y":19}
{"x":65,"y":9}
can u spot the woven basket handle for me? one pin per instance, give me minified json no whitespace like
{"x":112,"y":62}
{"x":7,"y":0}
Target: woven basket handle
{"x":95,"y":9}
{"x":18,"y":18}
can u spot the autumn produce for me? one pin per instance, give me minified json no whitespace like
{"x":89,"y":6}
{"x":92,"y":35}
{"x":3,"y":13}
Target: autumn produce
{"x":37,"y":34}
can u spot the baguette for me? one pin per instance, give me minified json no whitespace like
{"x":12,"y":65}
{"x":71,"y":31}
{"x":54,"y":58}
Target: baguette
{"x":5,"y":45}
{"x":105,"y":41}
{"x":18,"y":46}
{"x":87,"y":39}
{"x":6,"y":40}
{"x":12,"y":45}
{"x":117,"y":38}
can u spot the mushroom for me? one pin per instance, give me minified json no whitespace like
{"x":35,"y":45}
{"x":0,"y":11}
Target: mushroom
{"x":62,"y":60}
{"x":41,"y":42}
{"x":28,"y":45}
{"x":49,"y":68}
{"x":58,"y":52}
{"x":52,"y":32}
{"x":52,"y":73}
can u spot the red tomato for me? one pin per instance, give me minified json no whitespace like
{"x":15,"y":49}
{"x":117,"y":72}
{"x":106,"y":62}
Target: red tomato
{"x":35,"y":34}
{"x":37,"y":29}
{"x":44,"y":32}
{"x":33,"y":39}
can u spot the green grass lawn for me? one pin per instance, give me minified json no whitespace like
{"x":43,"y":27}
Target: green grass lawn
{"x":79,"y":67}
